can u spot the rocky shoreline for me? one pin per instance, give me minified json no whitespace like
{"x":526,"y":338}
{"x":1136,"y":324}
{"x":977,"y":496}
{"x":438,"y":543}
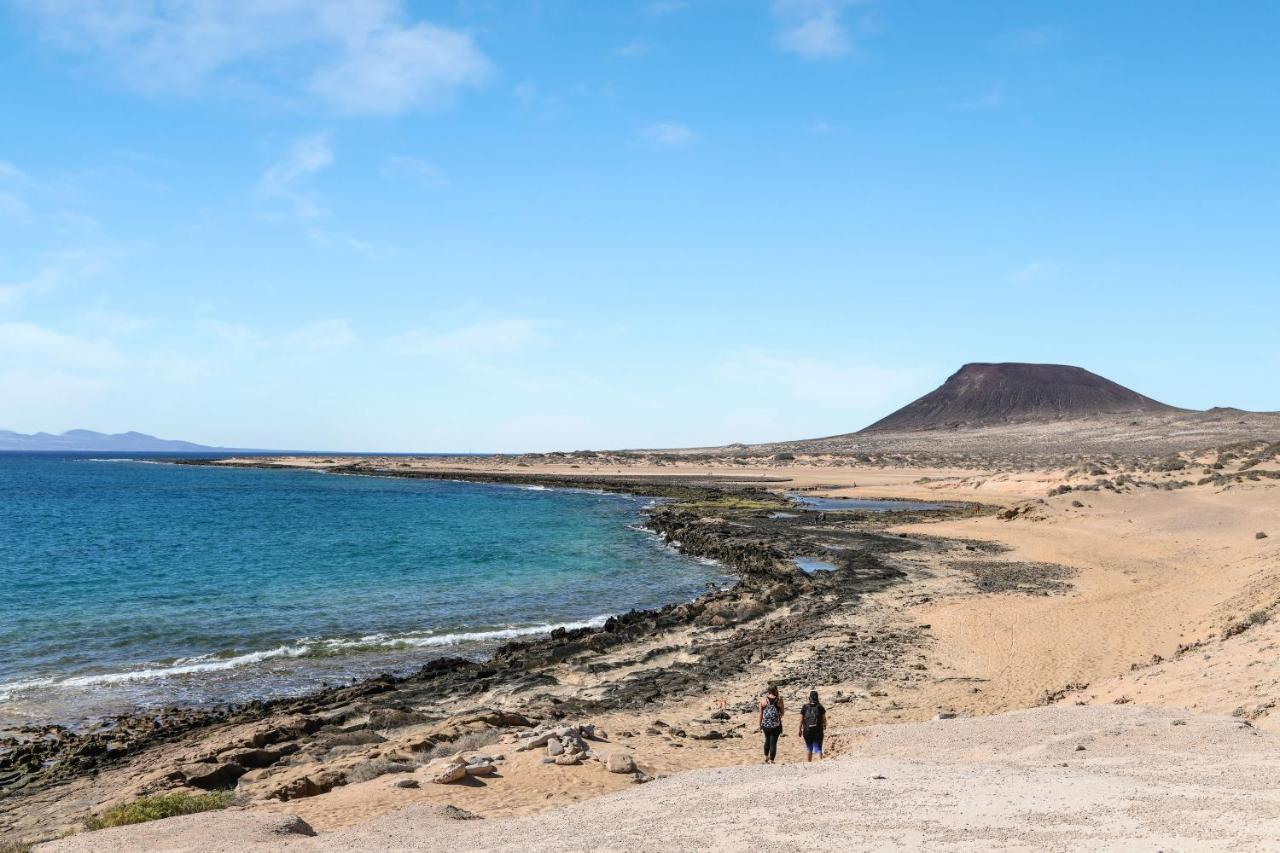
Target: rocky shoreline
{"x":734,"y":523}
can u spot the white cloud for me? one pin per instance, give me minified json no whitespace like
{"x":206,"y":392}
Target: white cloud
{"x":859,"y":389}
{"x":355,"y":56}
{"x":241,"y":340}
{"x":1032,"y":39}
{"x":287,"y":180}
{"x":65,"y":267}
{"x":814,"y":30}
{"x":991,"y":99}
{"x":111,"y":322}
{"x":32,"y":346}
{"x":396,"y":70}
{"x":323,"y":335}
{"x":1029,"y":272}
{"x":45,"y":397}
{"x":668,"y":134}
{"x":422,"y":171}
{"x":477,"y":339}
{"x":633,"y":49}
{"x":14,"y":184}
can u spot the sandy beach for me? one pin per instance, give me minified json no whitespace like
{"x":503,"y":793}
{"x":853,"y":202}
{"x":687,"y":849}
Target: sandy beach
{"x":1155,"y":593}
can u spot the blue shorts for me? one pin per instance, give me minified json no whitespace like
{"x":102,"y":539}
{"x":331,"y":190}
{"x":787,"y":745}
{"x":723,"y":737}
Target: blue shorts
{"x":813,"y":741}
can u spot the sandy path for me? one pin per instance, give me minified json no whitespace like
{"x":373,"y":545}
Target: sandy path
{"x":1051,"y":779}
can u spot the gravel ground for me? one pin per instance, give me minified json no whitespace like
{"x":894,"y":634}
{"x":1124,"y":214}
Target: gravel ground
{"x":1058,"y":778}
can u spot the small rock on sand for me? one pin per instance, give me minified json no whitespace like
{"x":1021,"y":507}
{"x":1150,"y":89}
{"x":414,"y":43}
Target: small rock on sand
{"x":620,"y":762}
{"x":449,"y":775}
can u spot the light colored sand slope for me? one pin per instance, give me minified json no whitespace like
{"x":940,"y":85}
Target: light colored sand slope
{"x":1060,"y":778}
{"x":1156,"y":570}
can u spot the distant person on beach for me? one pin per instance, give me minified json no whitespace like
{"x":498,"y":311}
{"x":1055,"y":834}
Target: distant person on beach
{"x":771,"y":711}
{"x":813,"y":723}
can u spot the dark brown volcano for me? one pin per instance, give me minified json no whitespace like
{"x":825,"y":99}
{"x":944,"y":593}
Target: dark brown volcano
{"x":989,"y":394}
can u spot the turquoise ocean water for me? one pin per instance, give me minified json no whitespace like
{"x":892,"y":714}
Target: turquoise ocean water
{"x":127,"y":584}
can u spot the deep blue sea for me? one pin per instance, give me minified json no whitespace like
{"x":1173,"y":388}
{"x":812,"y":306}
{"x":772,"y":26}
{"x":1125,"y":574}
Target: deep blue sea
{"x":127,"y":584}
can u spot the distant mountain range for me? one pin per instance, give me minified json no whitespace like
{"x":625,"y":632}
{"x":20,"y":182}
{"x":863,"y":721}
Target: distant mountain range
{"x":87,"y":439}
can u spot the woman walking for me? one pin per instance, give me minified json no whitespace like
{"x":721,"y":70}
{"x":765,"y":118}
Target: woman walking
{"x":813,"y":724}
{"x":771,"y":711}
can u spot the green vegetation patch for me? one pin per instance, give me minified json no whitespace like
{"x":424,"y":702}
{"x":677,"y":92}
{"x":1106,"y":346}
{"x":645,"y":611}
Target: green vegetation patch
{"x":718,"y":504}
{"x":157,"y":808}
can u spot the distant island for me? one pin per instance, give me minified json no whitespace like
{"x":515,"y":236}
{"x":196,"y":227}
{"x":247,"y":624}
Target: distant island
{"x":87,"y":439}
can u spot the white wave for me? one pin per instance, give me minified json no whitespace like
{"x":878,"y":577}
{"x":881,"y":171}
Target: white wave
{"x":534,"y":488}
{"x":306,"y":647}
{"x":483,"y":636}
{"x":133,"y":461}
{"x":185,"y":666}
{"x":12,"y":688}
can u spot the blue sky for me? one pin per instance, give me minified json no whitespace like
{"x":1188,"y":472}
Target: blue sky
{"x":483,"y":225}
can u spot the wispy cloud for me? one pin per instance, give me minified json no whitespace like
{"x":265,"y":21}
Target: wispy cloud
{"x":991,"y":99}
{"x":814,"y":30}
{"x":10,"y":172}
{"x":633,"y":49}
{"x":423,"y":171}
{"x":39,"y":347}
{"x":62,"y":269}
{"x":668,"y":134}
{"x":240,"y":340}
{"x":12,"y":204}
{"x":1032,"y":39}
{"x":477,"y":339}
{"x":393,"y":70}
{"x":323,"y":335}
{"x":811,"y":379}
{"x":352,"y":56}
{"x":287,"y":180}
{"x":1029,"y":272}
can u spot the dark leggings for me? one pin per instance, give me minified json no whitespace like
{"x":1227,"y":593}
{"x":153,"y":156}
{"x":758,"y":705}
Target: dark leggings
{"x":771,"y":742}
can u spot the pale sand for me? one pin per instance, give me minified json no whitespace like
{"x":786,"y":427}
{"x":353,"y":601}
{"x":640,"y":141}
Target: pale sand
{"x":1065,"y":778}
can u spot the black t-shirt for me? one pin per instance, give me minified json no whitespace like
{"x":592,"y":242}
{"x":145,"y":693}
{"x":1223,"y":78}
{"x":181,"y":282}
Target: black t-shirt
{"x":805,"y":714}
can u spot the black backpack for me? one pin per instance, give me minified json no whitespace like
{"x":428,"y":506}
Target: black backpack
{"x":812,"y":716}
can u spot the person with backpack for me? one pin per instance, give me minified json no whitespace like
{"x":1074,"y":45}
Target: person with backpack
{"x":771,"y":711}
{"x":813,"y":723}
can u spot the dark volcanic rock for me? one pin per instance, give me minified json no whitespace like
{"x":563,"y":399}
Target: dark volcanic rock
{"x":989,"y":394}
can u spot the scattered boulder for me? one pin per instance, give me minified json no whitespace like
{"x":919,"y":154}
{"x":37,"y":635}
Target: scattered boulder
{"x":554,"y":746}
{"x":568,"y":759}
{"x":450,"y":774}
{"x":254,"y":759}
{"x":209,"y":775}
{"x":485,"y":769}
{"x":404,"y":782}
{"x":620,"y":762}
{"x":1259,"y":535}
